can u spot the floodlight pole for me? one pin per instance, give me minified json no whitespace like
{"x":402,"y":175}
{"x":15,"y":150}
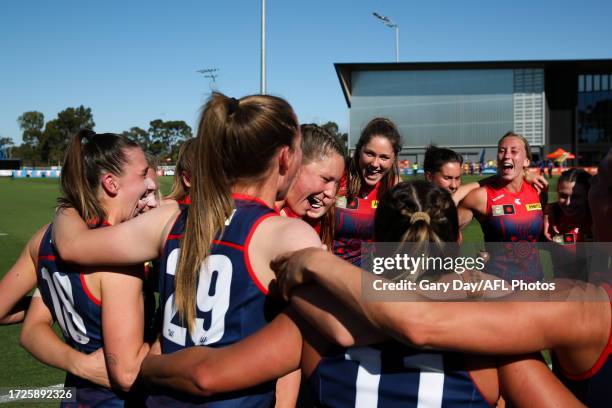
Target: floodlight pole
{"x":389,"y":23}
{"x":262,"y":84}
{"x":396,"y":43}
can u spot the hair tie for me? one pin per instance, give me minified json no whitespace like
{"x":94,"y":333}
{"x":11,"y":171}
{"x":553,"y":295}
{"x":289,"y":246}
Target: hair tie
{"x":420,"y":216}
{"x":233,"y":105}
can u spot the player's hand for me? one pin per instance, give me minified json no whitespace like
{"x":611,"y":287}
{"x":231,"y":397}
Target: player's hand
{"x":93,"y":368}
{"x":550,"y":229}
{"x":538,"y":181}
{"x":291,"y":269}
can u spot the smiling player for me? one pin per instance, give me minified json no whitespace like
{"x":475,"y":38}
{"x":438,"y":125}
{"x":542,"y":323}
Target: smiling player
{"x":509,"y":210}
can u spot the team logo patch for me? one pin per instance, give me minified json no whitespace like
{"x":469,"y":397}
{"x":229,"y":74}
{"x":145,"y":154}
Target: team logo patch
{"x":505,"y":209}
{"x":374,"y":203}
{"x":497,"y":210}
{"x":508,"y":209}
{"x":569,"y":238}
{"x":341,"y":202}
{"x":534,"y":207}
{"x":353,"y":204}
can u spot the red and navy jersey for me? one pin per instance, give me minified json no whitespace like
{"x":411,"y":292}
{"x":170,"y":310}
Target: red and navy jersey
{"x":393,"y":375}
{"x":354,"y":225}
{"x":513,"y":218}
{"x":231,"y":302}
{"x":593,"y":387}
{"x":570,"y":231}
{"x":79,"y":314}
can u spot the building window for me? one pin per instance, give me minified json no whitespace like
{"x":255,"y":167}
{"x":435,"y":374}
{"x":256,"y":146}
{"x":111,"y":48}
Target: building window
{"x":589,"y":83}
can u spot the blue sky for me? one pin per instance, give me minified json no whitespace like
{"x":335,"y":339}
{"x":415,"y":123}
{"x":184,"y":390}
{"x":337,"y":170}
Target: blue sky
{"x":135,"y":61}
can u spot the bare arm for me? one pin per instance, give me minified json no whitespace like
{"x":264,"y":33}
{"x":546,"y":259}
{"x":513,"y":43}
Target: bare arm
{"x":137,"y":240}
{"x":463,"y":191}
{"x":495,"y":327}
{"x":123,"y":326}
{"x":18,"y":281}
{"x":526,"y":381}
{"x":270,"y":353}
{"x":475,"y":203}
{"x":337,"y":323}
{"x":38,"y":338}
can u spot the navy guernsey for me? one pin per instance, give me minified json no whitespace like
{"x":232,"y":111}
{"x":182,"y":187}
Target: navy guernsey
{"x":231,"y":302}
{"x":393,"y":375}
{"x":64,"y":290}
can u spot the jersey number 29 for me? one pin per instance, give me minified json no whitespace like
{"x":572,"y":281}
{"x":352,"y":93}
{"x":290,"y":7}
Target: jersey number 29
{"x":213,"y":300}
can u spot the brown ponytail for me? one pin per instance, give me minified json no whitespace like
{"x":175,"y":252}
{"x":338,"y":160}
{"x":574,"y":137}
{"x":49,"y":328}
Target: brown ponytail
{"x":236,"y":140}
{"x":417,"y":213}
{"x":88,"y":156}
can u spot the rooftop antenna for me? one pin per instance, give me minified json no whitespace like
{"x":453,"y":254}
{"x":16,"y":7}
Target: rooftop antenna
{"x":210,"y":73}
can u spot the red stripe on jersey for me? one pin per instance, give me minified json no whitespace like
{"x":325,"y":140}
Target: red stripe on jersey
{"x":174,"y":236}
{"x":170,"y":235}
{"x":90,"y":295}
{"x":186,"y":201}
{"x":245,"y":197}
{"x":247,"y":260}
{"x":228,"y":244}
{"x":47,"y":257}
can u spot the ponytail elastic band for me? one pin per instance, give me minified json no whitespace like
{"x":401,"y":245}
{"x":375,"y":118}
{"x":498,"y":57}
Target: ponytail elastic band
{"x":420,"y":216}
{"x":233,"y":105}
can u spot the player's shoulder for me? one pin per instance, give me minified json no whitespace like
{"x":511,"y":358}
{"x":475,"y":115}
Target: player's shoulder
{"x":287,"y":231}
{"x":475,"y":196}
{"x":36,"y":240}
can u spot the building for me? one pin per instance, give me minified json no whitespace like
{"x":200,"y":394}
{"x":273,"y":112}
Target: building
{"x":468,"y":106}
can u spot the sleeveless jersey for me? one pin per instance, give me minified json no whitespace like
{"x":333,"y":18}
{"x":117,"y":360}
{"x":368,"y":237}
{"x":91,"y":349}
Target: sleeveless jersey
{"x":569,"y":232}
{"x":568,"y":262}
{"x":393,"y":375}
{"x":513,"y":218}
{"x":231,"y":302}
{"x":79,"y":314}
{"x":593,"y":387}
{"x":354,"y":225}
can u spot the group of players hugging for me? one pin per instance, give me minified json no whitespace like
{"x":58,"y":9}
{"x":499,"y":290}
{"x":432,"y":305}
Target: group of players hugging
{"x":256,"y":256}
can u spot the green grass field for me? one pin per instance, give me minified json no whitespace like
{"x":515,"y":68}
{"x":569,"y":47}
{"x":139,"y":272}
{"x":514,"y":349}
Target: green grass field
{"x":26,"y":205}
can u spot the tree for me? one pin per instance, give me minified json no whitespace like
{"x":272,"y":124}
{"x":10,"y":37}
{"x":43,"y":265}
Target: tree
{"x":140,"y":136}
{"x":31,"y":124}
{"x":332,"y":127}
{"x":166,"y":137}
{"x":57,"y":133}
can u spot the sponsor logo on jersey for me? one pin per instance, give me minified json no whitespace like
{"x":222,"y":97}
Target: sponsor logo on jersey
{"x":353,"y":204}
{"x":341,"y":202}
{"x":504,"y":209}
{"x":374,"y":203}
{"x":497,"y":210}
{"x":517,"y":201}
{"x":534,"y":207}
{"x":499,"y":197}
